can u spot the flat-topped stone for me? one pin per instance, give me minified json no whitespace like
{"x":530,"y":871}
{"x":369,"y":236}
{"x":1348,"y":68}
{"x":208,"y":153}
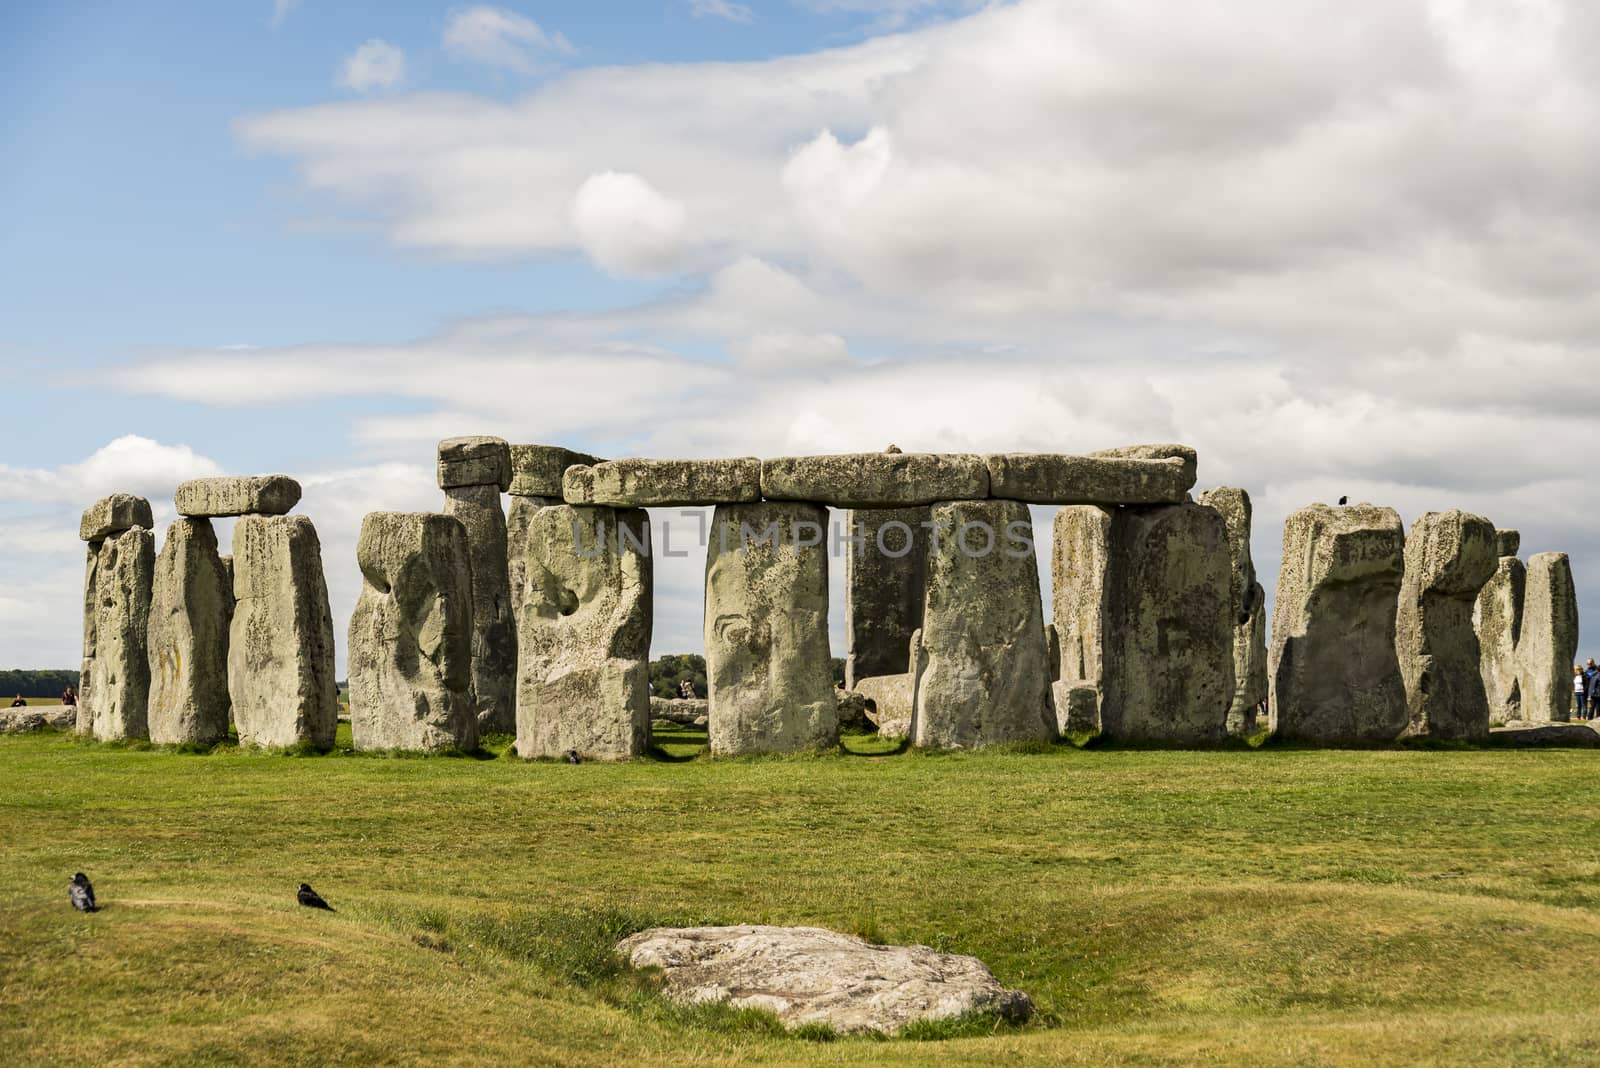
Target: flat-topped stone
{"x":536,"y":470}
{"x":643,"y":483}
{"x":1548,"y":646}
{"x":477,"y":460}
{"x":114,"y":514}
{"x":203,"y":498}
{"x":1054,"y":478}
{"x":875,"y":479}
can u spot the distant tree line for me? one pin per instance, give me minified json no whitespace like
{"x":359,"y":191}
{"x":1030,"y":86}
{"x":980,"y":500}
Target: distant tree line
{"x":667,"y":672}
{"x":36,"y":682}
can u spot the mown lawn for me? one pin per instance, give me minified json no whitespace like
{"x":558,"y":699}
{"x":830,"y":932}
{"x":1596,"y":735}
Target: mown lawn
{"x":1231,"y":907}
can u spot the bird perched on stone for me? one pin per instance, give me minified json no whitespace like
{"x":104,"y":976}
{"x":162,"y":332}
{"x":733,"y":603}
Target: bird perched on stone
{"x":1344,"y":500}
{"x":81,"y":891}
{"x":311,"y":899}
{"x":572,"y":757}
{"x":892,"y":448}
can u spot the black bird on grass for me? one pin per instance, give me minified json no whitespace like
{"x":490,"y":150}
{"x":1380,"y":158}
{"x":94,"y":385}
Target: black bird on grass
{"x":81,"y":891}
{"x":572,"y":757}
{"x":1344,"y":500}
{"x":311,"y":899}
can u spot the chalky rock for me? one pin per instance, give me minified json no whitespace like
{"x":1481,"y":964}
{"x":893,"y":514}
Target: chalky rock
{"x":1053,"y":478}
{"x":766,"y":630}
{"x":1333,"y":667}
{"x":884,"y":577}
{"x":583,"y":632}
{"x":239,"y":495}
{"x":889,"y":702}
{"x":37,"y":718}
{"x":114,"y":514}
{"x":411,"y":636}
{"x":191,"y":608}
{"x":1079,"y":564}
{"x":1508,"y":542}
{"x":639,"y":483}
{"x":1448,"y":558}
{"x":537,"y":470}
{"x":808,"y":975}
{"x":1497,"y":620}
{"x":684,"y":711}
{"x":1077,"y":708}
{"x":983,"y":678}
{"x":1549,"y":644}
{"x":280,"y":646}
{"x":474,"y":461}
{"x":518,"y":517}
{"x":1183,"y":453}
{"x":494,"y":628}
{"x":875,"y":479}
{"x":84,"y":719}
{"x":1249,"y":609}
{"x":120,"y":690}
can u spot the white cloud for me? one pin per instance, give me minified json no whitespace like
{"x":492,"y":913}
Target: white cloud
{"x":376,"y":64}
{"x":281,"y":10}
{"x":499,"y":38}
{"x":721,"y":9}
{"x":626,"y":226}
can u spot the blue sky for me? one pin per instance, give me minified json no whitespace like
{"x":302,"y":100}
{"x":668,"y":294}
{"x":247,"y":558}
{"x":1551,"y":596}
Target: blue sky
{"x":1340,"y":256}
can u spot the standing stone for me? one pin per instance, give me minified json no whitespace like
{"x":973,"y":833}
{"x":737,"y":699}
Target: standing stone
{"x":280,"y":646}
{"x":120,"y":691}
{"x":1549,"y":643}
{"x":889,"y":703}
{"x":584,"y":634}
{"x":1334,"y":670}
{"x":982,"y":677}
{"x":1497,"y":619}
{"x":1448,"y":558}
{"x":114,"y":514}
{"x":766,"y":629}
{"x":1077,"y":709}
{"x":518,"y":518}
{"x":91,"y":609}
{"x":494,"y":632}
{"x":1249,"y":610}
{"x":1080,"y":557}
{"x":190,"y":610}
{"x":411,"y":636}
{"x":884,"y":576}
{"x":103,"y":519}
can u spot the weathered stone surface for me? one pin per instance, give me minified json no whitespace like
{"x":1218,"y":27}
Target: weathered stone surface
{"x":1052,"y":651}
{"x":1249,"y":609}
{"x":91,"y":610}
{"x":120,"y":689}
{"x":494,"y":628}
{"x":536,"y":470}
{"x":637,"y":483}
{"x":1566,"y":735}
{"x":477,"y":460}
{"x":1079,"y":565}
{"x":984,"y":680}
{"x":584,"y":635}
{"x":411,"y":636}
{"x":1508,"y":542}
{"x":1448,"y":558}
{"x":518,"y":516}
{"x":766,"y":629}
{"x":280,"y":646}
{"x":1077,"y":708}
{"x":191,"y":607}
{"x":114,"y":514}
{"x":884,"y":577}
{"x":238,"y":495}
{"x":1497,"y":620}
{"x":684,"y":711}
{"x":807,"y":975}
{"x":1334,"y":671}
{"x":1183,"y":453}
{"x":889,"y":702}
{"x":1548,"y":646}
{"x":875,"y":479}
{"x":37,"y":718}
{"x":851,"y":710}
{"x":1054,"y":478}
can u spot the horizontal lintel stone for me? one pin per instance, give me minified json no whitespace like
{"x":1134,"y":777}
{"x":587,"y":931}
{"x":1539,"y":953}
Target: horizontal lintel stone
{"x":536,"y":470}
{"x":1052,"y":478}
{"x":114,"y":514}
{"x":639,"y":483}
{"x":474,"y":461}
{"x":237,"y":495}
{"x":875,"y":479}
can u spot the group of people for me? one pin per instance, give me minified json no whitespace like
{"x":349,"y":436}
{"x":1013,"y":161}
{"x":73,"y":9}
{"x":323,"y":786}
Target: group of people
{"x":1586,"y":689}
{"x":69,"y":696}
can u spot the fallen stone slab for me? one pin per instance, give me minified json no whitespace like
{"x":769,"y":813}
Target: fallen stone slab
{"x":477,"y":460}
{"x":1548,"y":647}
{"x":851,"y":710}
{"x":808,"y":975}
{"x":1449,"y":556}
{"x":1523,"y":733}
{"x":1054,"y":478}
{"x":191,"y":608}
{"x":876,"y":479}
{"x":114,"y":514}
{"x":684,"y":711}
{"x":237,"y":495}
{"x":537,"y":470}
{"x":889,"y":702}
{"x":639,"y":483}
{"x":38,"y":718}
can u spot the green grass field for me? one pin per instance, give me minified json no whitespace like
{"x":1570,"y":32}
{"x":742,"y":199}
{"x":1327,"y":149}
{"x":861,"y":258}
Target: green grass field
{"x":1232,"y":907}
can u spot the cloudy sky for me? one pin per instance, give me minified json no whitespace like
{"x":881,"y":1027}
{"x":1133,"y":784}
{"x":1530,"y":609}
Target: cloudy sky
{"x":1341,"y":248}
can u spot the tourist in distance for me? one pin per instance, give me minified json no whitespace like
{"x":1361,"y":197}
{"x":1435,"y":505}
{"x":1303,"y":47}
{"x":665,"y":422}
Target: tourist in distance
{"x":19,"y":702}
{"x":1591,"y":675}
{"x":1580,"y":692}
{"x":69,"y":696}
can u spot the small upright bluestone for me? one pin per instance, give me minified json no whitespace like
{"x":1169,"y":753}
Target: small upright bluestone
{"x":81,"y":891}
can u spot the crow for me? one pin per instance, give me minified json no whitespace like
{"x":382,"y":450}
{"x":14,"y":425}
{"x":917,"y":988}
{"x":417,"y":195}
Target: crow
{"x":572,"y":757}
{"x":1344,"y":500}
{"x":81,"y":891}
{"x":311,"y":899}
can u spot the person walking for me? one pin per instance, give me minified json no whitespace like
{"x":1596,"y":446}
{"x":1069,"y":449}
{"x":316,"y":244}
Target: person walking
{"x":1591,"y":675}
{"x":1580,"y":692}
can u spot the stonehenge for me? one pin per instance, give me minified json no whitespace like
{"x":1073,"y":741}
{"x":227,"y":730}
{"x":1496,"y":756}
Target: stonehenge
{"x":1448,"y":558}
{"x":1549,"y":641}
{"x":663,"y":483}
{"x":875,"y":479}
{"x":1497,"y":621}
{"x":1078,"y":572}
{"x":1249,"y":602}
{"x":472,"y":472}
{"x":205,"y":498}
{"x":114,"y":682}
{"x":191,"y":609}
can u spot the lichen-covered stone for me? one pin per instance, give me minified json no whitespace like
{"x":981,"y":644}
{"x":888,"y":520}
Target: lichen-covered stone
{"x":120,"y":691}
{"x":84,"y":718}
{"x":536,"y":470}
{"x":280,"y":646}
{"x":477,"y":460}
{"x":411,"y":636}
{"x":1054,"y":478}
{"x":1548,"y":647}
{"x":518,"y":517}
{"x":884,"y":576}
{"x":238,"y":495}
{"x":1448,"y":558}
{"x":1497,"y":620}
{"x":191,"y":608}
{"x":684,"y":711}
{"x":494,"y":627}
{"x":983,"y":679}
{"x":639,"y":483}
{"x":1508,"y":542}
{"x":889,"y":702}
{"x":584,"y":634}
{"x":1182,"y":453}
{"x":1249,"y":609}
{"x":1080,"y":559}
{"x":766,"y":629}
{"x":1077,"y":708}
{"x":114,"y":514}
{"x":1334,"y":671}
{"x":875,"y":479}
